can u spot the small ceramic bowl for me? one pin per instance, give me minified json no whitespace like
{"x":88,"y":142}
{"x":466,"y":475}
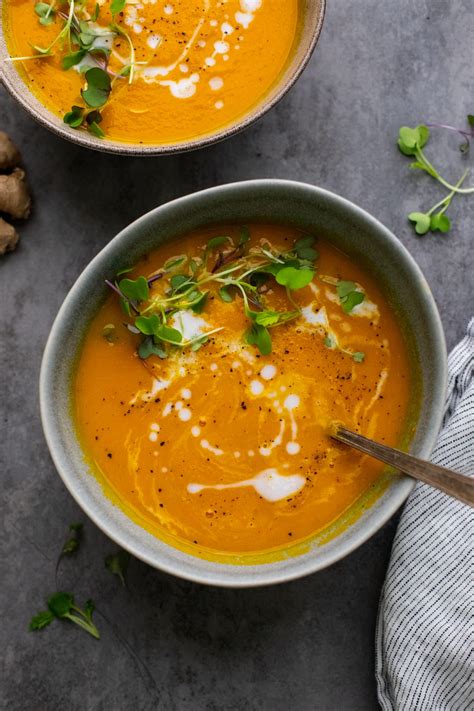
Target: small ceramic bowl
{"x":282,"y":202}
{"x":312,"y":13}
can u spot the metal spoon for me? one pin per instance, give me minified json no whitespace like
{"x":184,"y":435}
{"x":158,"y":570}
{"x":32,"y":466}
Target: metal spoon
{"x":456,"y":485}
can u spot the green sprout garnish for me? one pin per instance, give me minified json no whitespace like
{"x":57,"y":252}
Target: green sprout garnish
{"x":412,"y":142}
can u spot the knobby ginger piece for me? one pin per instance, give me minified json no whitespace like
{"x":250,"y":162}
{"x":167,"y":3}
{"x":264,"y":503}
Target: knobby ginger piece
{"x":14,"y":195}
{"x":9,"y":154}
{"x":8,"y":237}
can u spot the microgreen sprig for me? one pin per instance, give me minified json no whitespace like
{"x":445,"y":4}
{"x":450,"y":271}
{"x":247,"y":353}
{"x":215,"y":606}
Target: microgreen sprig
{"x":61,"y":606}
{"x":411,"y":142}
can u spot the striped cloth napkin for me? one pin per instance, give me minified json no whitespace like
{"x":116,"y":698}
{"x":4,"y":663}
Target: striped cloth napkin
{"x":425,"y":627}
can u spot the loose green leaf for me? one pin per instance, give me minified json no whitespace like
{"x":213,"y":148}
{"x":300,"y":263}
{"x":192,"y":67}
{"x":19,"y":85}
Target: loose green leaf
{"x":174,"y":262}
{"x":274,"y":318}
{"x":411,"y":139}
{"x":348,"y":295}
{"x":198,"y":303}
{"x":42,"y":619}
{"x":440,"y":223}
{"x":98,"y":87}
{"x":470,"y":119}
{"x":422,"y":222}
{"x":244,"y":235}
{"x":169,"y":335}
{"x":60,"y":603}
{"x":216,"y":242}
{"x":70,"y":60}
{"x":45,"y":13}
{"x":148,"y":325}
{"x":181,"y":281}
{"x":74,"y":117}
{"x":330,"y":341}
{"x":304,"y":248}
{"x":358,"y":356}
{"x":294,"y":278}
{"x":135,"y":289}
{"x":74,"y":540}
{"x":148,"y":348}
{"x":259,"y":336}
{"x":225,"y":294}
{"x":117,"y":564}
{"x":117,"y":6}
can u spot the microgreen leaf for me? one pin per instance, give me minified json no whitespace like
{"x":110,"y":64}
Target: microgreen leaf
{"x":348,"y":295}
{"x":199,"y":302}
{"x":244,"y":235}
{"x":411,"y":139}
{"x":60,"y":603}
{"x":304,"y":248}
{"x":74,"y":117}
{"x":422,"y":222}
{"x":273,"y":318}
{"x":440,"y":223}
{"x":178,"y":281}
{"x":259,"y":336}
{"x":45,"y":13}
{"x":173,"y":262}
{"x":225,"y":294}
{"x":109,"y":332}
{"x":98,"y":87}
{"x":117,"y":6}
{"x":148,"y":347}
{"x":95,"y":14}
{"x":74,"y":540}
{"x":216,"y":242}
{"x":330,"y":341}
{"x":170,"y":335}
{"x":358,"y":356}
{"x":42,"y":619}
{"x":294,"y":278}
{"x":117,"y":564}
{"x":135,"y":289}
{"x":70,"y":60}
{"x":148,"y":325}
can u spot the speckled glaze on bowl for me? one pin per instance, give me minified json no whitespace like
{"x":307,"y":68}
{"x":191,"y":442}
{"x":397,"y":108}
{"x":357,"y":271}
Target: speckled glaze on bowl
{"x":323,"y":213}
{"x":312,"y":13}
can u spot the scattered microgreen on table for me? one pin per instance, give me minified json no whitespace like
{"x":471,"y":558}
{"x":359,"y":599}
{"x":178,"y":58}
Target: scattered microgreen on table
{"x":411,"y":143}
{"x":61,"y":606}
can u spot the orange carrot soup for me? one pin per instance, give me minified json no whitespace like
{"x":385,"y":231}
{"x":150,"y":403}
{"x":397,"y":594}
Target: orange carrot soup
{"x":207,"y":383}
{"x":151,"y":71}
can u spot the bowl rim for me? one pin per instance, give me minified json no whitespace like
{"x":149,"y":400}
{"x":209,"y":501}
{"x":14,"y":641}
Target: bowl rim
{"x":397,"y":492}
{"x":19,"y":90}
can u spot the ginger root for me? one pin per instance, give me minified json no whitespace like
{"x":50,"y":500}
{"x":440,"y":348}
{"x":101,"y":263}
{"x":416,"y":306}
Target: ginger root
{"x":15,"y":198}
{"x":14,"y":195}
{"x":9,"y":154}
{"x":8,"y":237}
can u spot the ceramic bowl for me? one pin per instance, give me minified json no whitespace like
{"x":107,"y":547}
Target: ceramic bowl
{"x":322,"y":213}
{"x":312,"y":13}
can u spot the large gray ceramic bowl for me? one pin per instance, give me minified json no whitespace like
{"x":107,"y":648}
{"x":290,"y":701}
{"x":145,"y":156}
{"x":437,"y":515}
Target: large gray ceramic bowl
{"x":310,"y":208}
{"x":312,"y":16}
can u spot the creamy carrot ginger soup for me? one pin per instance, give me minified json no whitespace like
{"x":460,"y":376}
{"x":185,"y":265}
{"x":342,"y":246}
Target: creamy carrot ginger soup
{"x":208,"y":380}
{"x":150,"y":71}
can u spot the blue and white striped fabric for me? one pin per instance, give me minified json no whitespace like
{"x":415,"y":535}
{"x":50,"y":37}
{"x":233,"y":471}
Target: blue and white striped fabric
{"x":425,"y":628}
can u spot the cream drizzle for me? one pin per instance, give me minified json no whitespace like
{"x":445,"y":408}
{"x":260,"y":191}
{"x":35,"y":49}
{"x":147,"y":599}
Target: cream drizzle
{"x":269,"y":484}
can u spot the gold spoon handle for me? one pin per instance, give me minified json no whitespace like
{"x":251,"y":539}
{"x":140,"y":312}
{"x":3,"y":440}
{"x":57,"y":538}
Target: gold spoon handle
{"x":456,"y":485}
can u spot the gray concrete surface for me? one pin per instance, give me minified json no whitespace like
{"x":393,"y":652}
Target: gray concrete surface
{"x":307,"y":645}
